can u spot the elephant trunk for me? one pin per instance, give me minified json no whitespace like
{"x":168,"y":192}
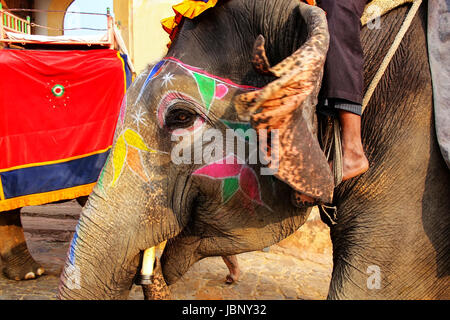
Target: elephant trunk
{"x":116,"y":226}
{"x":108,"y":277}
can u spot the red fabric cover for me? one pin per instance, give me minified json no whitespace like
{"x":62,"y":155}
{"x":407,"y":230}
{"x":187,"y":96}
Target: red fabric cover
{"x":35,"y":125}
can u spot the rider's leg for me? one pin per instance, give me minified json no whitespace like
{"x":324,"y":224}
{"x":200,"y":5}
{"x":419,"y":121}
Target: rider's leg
{"x":343,"y":81}
{"x":354,"y":159}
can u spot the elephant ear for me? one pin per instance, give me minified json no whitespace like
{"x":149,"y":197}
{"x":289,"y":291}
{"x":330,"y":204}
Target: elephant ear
{"x":288,"y":105}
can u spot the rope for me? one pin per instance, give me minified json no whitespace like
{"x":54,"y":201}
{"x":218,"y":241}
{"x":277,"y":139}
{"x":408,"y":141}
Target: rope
{"x":66,"y":29}
{"x":390,"y":54}
{"x":338,"y":165}
{"x":57,"y":11}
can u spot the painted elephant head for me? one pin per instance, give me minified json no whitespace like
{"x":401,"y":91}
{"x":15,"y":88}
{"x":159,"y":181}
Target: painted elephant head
{"x":177,"y":171}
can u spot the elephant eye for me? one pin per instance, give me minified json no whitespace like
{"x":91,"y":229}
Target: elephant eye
{"x":180,"y":118}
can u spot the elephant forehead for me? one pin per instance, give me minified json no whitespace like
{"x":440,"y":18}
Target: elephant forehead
{"x":171,"y":75}
{"x":172,"y":79}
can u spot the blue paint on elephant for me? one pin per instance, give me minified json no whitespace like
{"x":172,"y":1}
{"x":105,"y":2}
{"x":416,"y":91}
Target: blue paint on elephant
{"x":154,"y":71}
{"x":73,"y":244}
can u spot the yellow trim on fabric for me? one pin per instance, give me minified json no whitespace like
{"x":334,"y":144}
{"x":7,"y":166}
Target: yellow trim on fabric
{"x":47,"y":197}
{"x":124,"y":71}
{"x":56,"y":161}
{"x":2,"y":194}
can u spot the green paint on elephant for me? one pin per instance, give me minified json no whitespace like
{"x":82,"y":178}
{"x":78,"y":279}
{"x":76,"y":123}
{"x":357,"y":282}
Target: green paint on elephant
{"x":207,"y":88}
{"x":102,"y":174}
{"x":237,"y":125}
{"x":229,"y":188}
{"x":244,"y":126}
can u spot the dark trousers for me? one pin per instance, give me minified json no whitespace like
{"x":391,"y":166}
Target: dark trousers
{"x":343,"y":76}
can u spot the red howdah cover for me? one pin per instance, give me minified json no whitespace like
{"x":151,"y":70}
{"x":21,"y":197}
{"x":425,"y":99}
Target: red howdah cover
{"x":56,"y":108}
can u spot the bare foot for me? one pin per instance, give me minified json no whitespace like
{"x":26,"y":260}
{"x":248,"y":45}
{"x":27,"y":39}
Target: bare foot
{"x":233,"y":268}
{"x":354,"y":163}
{"x":354,"y":160}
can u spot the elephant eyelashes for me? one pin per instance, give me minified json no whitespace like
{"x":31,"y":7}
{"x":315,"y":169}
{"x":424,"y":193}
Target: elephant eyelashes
{"x":180,"y":119}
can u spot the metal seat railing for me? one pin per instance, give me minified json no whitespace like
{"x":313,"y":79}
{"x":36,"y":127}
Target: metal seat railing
{"x":10,"y":22}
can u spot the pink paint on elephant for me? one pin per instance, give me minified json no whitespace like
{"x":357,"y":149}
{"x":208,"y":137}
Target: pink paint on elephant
{"x":221,"y":91}
{"x":224,"y":168}
{"x":248,"y":183}
{"x":230,"y":167}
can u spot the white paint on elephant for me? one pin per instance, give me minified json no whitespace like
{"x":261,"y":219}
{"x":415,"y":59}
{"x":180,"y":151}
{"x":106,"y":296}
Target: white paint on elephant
{"x":139,"y":117}
{"x":167,"y":79}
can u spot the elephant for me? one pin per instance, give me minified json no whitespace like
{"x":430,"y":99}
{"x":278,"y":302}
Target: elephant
{"x":17,"y":262}
{"x":391,"y":238}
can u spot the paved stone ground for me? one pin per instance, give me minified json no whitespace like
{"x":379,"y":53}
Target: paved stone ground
{"x":297,"y":268}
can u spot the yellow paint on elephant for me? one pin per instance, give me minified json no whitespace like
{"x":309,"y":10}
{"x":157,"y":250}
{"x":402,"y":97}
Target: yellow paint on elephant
{"x":135,"y":140}
{"x":131,"y":156}
{"x":120,"y":154}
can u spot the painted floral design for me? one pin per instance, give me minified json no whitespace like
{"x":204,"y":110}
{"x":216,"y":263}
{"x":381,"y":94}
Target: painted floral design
{"x":128,"y":150}
{"x":234,"y":176}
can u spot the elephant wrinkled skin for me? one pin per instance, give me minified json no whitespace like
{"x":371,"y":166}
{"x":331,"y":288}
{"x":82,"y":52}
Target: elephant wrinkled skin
{"x":392,"y":219}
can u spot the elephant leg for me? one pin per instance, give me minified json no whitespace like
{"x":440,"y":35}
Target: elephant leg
{"x":233,"y":268}
{"x":18,"y":264}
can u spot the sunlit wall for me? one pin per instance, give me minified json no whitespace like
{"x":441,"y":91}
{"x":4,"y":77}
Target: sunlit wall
{"x":139,"y":22}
